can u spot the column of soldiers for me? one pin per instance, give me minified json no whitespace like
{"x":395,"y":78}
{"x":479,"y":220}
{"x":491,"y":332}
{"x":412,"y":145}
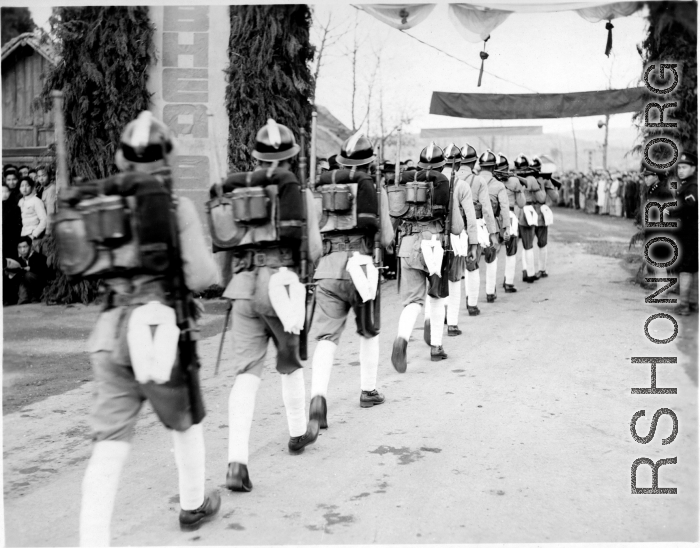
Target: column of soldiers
{"x":295,"y":254}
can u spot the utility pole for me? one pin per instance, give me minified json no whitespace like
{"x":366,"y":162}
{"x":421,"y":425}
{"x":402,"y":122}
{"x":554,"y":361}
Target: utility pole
{"x":575,"y":144}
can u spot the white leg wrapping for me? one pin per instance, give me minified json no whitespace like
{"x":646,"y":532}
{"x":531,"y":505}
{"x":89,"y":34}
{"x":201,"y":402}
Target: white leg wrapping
{"x":510,"y":269}
{"x":321,"y":367}
{"x":369,"y":363}
{"x":294,"y":396}
{"x":437,"y":321}
{"x":491,"y":277}
{"x":453,"y":301}
{"x":190,"y":458}
{"x":407,"y":320}
{"x":542,"y":259}
{"x":529,"y":260}
{"x":99,"y":491}
{"x":241,"y":405}
{"x":473,"y":281}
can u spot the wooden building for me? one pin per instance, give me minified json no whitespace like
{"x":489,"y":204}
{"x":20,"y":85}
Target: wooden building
{"x":26,"y":129}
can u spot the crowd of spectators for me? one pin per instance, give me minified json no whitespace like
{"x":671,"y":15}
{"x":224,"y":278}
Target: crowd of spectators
{"x":603,"y":192}
{"x":28,"y":201}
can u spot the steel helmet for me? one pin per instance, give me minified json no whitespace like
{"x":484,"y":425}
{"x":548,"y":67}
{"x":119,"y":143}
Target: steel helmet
{"x":356,"y":151}
{"x":521,"y":164}
{"x":146,"y":139}
{"x":468,"y":154}
{"x":431,"y":157}
{"x":536,"y":164}
{"x":275,"y":142}
{"x":502,"y":164}
{"x":452,"y":152}
{"x":487,"y":159}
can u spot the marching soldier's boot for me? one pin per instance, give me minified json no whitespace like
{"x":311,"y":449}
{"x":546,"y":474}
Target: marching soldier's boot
{"x":320,"y":377}
{"x":437,"y":353}
{"x":454,"y":299}
{"x":318,"y":411}
{"x":99,"y":491}
{"x":196,"y":507}
{"x":529,"y":264}
{"x":542,"y":262}
{"x":369,"y":365}
{"x":471,"y":283}
{"x":241,"y":405}
{"x":491,"y":280}
{"x":407,"y":320}
{"x":294,"y":397}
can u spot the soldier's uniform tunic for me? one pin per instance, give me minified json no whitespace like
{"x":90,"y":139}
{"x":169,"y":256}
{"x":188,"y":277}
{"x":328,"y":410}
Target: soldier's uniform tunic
{"x":499,"y":203}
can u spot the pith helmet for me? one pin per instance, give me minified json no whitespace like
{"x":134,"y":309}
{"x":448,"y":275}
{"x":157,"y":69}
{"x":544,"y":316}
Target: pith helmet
{"x":146,"y":139}
{"x":487,"y":159}
{"x":502,"y":164}
{"x":536,"y":164}
{"x":275,"y":142}
{"x":431,"y":157}
{"x":356,"y":151}
{"x":468,"y":154}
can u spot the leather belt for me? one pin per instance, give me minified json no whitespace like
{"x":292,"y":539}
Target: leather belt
{"x":415,"y":227}
{"x":272,"y":257}
{"x":332,"y":246}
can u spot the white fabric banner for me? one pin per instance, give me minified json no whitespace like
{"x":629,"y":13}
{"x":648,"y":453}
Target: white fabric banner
{"x":475,"y":24}
{"x":399,"y":16}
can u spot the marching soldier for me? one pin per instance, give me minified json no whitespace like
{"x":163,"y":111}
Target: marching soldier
{"x":514,"y":191}
{"x":488,"y":229}
{"x":687,"y":215}
{"x":499,"y":203}
{"x":422,"y":201}
{"x":527,"y":215}
{"x":151,"y":255}
{"x":544,"y":216}
{"x":265,"y":243}
{"x":350,"y":219}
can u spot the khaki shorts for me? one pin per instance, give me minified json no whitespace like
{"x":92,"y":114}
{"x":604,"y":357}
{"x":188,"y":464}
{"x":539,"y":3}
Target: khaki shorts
{"x":334,"y":299}
{"x":118,"y":395}
{"x":413,"y":284}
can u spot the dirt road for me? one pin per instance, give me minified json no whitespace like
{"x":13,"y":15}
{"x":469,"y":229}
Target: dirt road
{"x":522,"y":435}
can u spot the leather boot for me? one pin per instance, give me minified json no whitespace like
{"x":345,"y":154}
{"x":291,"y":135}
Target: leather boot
{"x":509,"y":288}
{"x":473,"y":310}
{"x":237,"y":478}
{"x":318,"y":409}
{"x":453,"y":331}
{"x":490,"y":298}
{"x":437,"y":353}
{"x":298,"y":443}
{"x":191,"y":520}
{"x":398,"y":355}
{"x":370,"y":398}
{"x":542,"y":274}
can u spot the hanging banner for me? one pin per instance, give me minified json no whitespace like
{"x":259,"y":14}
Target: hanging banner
{"x":399,"y":16}
{"x":492,"y":106}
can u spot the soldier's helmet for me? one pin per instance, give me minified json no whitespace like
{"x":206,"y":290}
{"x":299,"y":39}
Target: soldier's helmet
{"x":431,"y":157}
{"x":536,"y":164}
{"x":487,"y":159}
{"x":502,"y":164}
{"x":146,"y":140}
{"x":356,"y":151}
{"x":275,"y":142}
{"x":521,"y":164}
{"x":452,"y":152}
{"x":468,"y":154}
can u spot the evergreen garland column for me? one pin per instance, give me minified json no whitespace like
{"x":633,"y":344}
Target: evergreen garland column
{"x":269,"y":75}
{"x":105,"y":53}
{"x":672,"y":37}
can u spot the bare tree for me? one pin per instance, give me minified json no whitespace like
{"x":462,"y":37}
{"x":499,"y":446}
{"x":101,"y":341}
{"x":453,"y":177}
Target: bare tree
{"x":329,"y":35}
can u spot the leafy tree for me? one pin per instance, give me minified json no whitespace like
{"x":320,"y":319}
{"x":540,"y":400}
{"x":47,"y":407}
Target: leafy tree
{"x":15,"y":21}
{"x":269,"y":74}
{"x":105,"y":53}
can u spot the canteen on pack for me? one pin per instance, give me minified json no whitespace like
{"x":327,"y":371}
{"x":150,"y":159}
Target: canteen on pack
{"x":346,"y":199}
{"x":112,"y":227}
{"x":421,"y":195}
{"x":245,"y":210}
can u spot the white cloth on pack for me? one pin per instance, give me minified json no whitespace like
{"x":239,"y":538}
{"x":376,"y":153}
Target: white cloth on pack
{"x":482,"y":233}
{"x":460,"y":244}
{"x":513,"y":225}
{"x":530,"y":215}
{"x":432,"y":254}
{"x":547,"y":214}
{"x":153,"y":354}
{"x":366,"y":284}
{"x":288,"y":298}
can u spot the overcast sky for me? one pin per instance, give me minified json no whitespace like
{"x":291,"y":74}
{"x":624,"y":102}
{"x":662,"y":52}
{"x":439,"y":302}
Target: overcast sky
{"x":546,"y":52}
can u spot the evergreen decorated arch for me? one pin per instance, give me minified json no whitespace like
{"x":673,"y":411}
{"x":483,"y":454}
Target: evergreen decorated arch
{"x":105,"y":55}
{"x":269,"y":74}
